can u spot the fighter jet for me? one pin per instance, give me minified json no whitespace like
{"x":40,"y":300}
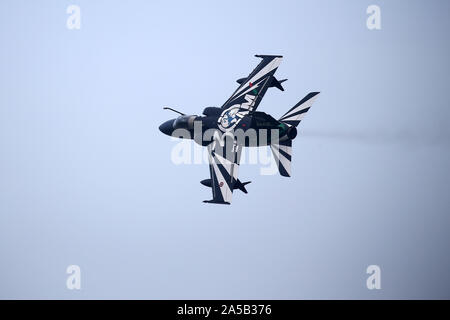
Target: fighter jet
{"x":237,"y":124}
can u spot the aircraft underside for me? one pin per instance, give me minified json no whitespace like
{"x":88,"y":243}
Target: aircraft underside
{"x":237,"y":124}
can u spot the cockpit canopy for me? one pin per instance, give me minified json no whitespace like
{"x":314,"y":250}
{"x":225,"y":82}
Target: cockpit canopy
{"x":212,"y":111}
{"x":184,"y":122}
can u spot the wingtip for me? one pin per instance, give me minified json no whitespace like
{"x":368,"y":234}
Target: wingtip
{"x":216,"y":202}
{"x":267,"y":56}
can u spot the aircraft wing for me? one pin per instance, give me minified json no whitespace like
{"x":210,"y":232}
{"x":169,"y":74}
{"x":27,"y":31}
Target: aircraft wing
{"x":252,"y":89}
{"x":224,"y":157}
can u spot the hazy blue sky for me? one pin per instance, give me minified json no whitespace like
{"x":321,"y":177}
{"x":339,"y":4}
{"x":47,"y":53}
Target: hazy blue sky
{"x":86,"y":178}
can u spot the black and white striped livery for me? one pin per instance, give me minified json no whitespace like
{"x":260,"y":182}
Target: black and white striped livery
{"x":223,"y":167}
{"x":238,"y":124}
{"x":253,"y":88}
{"x":282,"y":153}
{"x":297,"y":112}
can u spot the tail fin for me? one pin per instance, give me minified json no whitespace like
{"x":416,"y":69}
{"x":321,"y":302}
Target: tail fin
{"x":297,"y":112}
{"x":282,"y":153}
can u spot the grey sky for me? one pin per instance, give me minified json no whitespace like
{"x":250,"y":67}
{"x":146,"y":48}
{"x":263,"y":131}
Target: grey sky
{"x":86,"y":177}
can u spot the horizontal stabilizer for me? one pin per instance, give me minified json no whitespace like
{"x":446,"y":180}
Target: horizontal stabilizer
{"x":297,"y":112}
{"x":282,"y":153}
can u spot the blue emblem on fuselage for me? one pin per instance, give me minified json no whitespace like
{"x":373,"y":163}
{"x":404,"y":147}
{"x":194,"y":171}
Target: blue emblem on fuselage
{"x":229,"y":118}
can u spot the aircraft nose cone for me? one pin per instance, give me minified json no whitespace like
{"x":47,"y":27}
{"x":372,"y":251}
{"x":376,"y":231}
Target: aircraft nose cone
{"x":167,"y":127}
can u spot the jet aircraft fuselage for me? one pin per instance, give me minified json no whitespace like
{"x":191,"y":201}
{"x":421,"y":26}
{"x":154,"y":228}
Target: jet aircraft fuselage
{"x":237,"y":124}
